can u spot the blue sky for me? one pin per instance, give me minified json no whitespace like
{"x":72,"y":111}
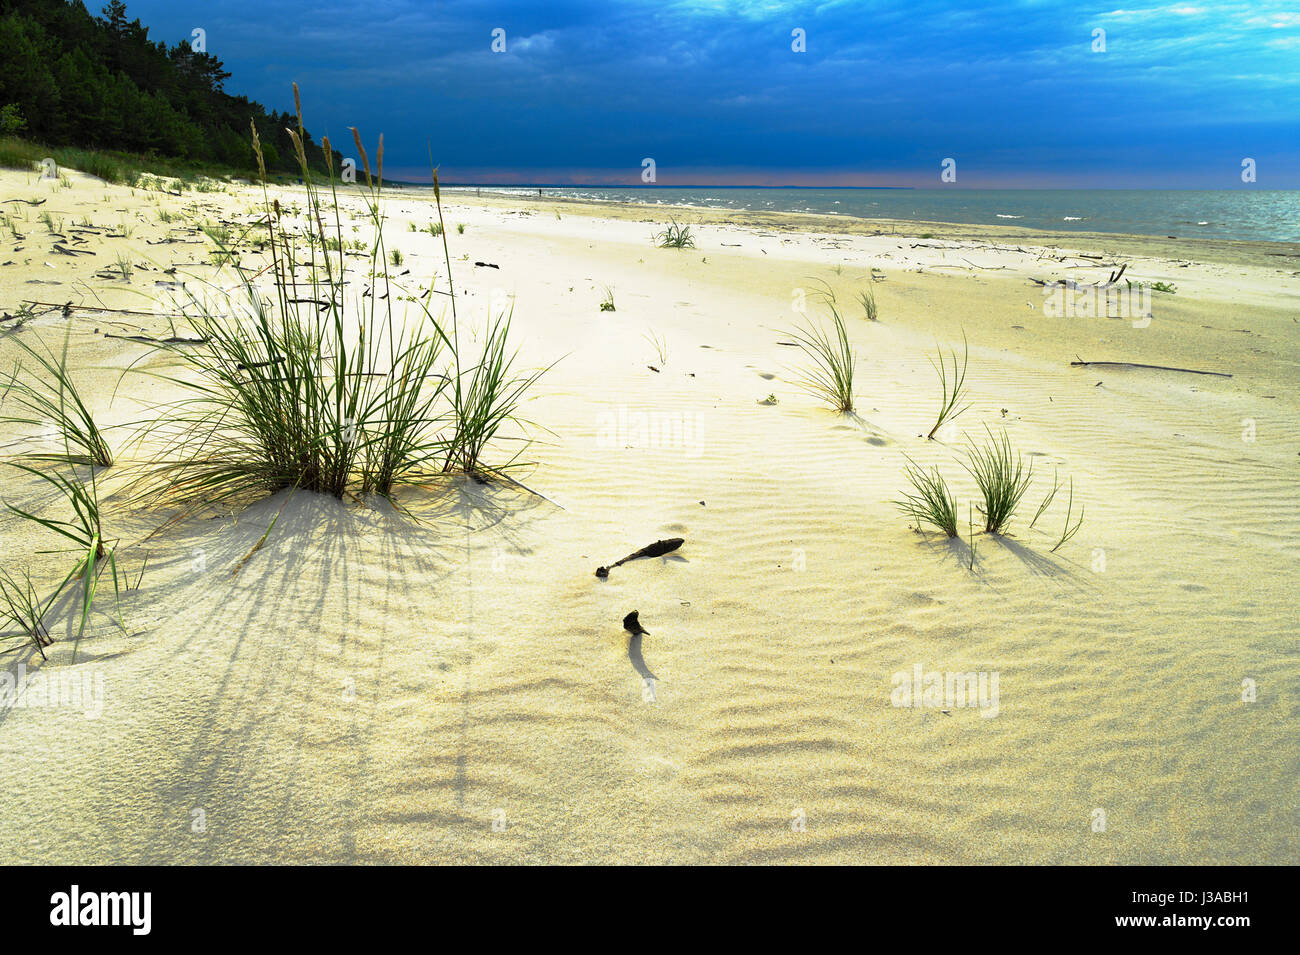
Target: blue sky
{"x":713,"y":92}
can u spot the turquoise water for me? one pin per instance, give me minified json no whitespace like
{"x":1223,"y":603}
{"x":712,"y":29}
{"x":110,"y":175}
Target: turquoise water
{"x":1225,"y":214}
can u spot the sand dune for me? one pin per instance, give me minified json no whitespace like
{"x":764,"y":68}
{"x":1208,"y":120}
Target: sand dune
{"x":369,"y":688}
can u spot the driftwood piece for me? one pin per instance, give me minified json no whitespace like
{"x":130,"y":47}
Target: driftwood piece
{"x":1115,"y":276}
{"x":657,"y":549}
{"x":1133,"y":364}
{"x":158,"y":341}
{"x":69,"y":308}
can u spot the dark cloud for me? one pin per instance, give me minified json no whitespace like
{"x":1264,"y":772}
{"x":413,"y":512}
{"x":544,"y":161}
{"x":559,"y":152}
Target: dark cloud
{"x":883,"y":93}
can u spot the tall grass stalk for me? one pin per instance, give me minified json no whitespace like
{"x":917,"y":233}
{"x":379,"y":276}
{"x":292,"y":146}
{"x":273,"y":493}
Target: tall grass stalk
{"x":1047,"y":500}
{"x":970,"y":531}
{"x":1069,"y":531}
{"x":483,"y":398}
{"x":953,"y":389}
{"x":84,"y":529}
{"x":659,"y":343}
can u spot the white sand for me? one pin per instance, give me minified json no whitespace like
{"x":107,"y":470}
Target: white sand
{"x":367,"y":689}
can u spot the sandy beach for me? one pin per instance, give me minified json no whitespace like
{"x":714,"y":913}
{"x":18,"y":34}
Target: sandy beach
{"x":448,"y":681}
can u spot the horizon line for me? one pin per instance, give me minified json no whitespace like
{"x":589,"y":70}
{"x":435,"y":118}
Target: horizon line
{"x":951,"y":187}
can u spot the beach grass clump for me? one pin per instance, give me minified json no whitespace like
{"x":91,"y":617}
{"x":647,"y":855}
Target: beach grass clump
{"x":48,"y":397}
{"x":299,"y":394}
{"x":952,"y":384}
{"x":299,"y":387}
{"x":22,"y":612}
{"x":402,"y":439}
{"x":607,"y":303}
{"x":1002,"y":478}
{"x":286,"y":390}
{"x":675,"y":237}
{"x":930,"y":502}
{"x":830,"y":375}
{"x":867,"y":299}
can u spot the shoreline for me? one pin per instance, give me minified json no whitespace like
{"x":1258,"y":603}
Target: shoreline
{"x":854,"y":225}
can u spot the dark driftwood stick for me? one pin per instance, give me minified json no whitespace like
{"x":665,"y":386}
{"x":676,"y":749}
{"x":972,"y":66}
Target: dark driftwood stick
{"x":1133,"y":364}
{"x":69,"y":308}
{"x":158,"y":341}
{"x":657,"y":549}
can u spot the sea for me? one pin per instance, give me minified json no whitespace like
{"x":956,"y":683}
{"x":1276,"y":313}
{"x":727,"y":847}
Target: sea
{"x":1268,"y":215}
